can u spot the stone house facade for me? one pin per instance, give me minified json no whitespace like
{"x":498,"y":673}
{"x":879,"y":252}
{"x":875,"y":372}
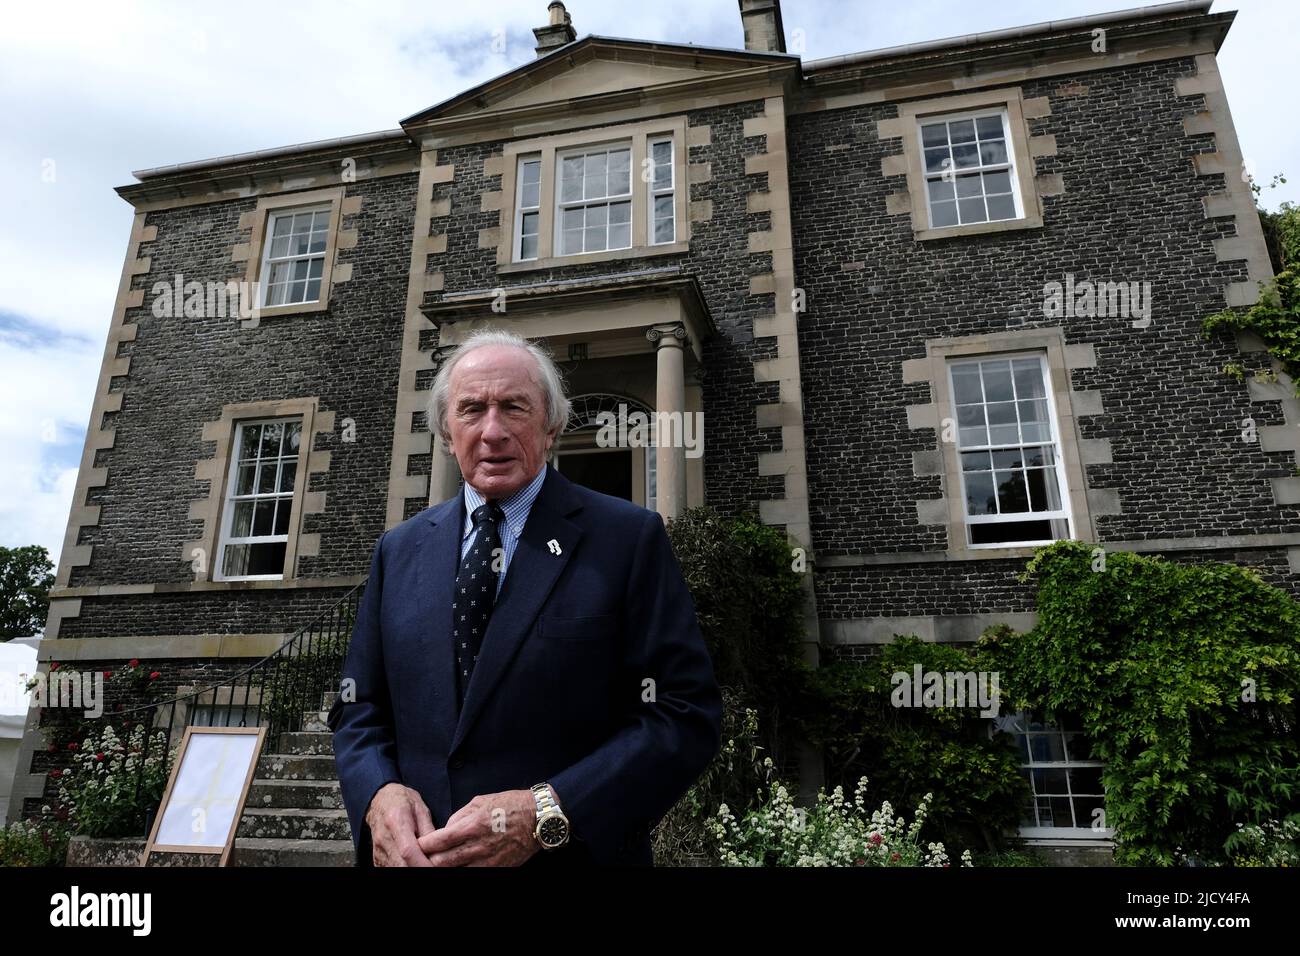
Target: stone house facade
{"x":936,"y":305}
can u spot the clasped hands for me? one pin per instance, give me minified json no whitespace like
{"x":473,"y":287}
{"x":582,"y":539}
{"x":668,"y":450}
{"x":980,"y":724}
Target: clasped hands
{"x":494,"y":829}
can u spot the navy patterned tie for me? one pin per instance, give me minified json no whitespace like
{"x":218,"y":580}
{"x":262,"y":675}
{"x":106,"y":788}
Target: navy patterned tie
{"x":476,"y":591}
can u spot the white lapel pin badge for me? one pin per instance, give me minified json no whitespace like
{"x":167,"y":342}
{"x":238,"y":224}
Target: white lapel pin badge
{"x":554,"y":546}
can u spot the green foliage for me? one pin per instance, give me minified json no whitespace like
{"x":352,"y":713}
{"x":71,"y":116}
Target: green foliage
{"x":294,"y":684}
{"x":734,"y":778}
{"x":26,"y":576}
{"x":973,"y":778}
{"x":1275,"y":316}
{"x":1285,"y":228}
{"x":28,"y":843}
{"x":749,"y":604}
{"x":1281,"y":228}
{"x":1184,"y":676}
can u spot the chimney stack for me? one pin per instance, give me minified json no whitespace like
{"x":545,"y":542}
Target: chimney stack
{"x":556,"y":33}
{"x":762,"y":22}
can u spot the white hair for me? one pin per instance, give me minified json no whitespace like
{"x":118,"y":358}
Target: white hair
{"x":548,"y":378}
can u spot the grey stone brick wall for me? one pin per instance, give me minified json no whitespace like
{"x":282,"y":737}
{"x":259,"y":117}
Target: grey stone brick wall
{"x":183,"y":370}
{"x":239,"y":611}
{"x":1131,"y":211}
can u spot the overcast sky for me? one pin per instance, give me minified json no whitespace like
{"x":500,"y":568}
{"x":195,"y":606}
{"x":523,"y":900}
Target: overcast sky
{"x":91,"y":91}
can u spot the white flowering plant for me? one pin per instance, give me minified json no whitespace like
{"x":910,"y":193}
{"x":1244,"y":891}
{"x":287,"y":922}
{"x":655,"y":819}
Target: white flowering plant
{"x":833,"y":832}
{"x":112,"y":783}
{"x":1272,"y":843}
{"x":33,"y":843}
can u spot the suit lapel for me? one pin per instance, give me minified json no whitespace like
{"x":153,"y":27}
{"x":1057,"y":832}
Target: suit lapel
{"x":437,"y":557}
{"x":534,"y":569}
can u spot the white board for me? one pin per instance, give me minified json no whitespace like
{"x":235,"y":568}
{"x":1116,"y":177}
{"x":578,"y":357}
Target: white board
{"x":207,"y":795}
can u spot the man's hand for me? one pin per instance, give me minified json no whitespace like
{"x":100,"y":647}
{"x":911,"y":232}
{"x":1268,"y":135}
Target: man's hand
{"x":398,"y":818}
{"x":495,"y":829}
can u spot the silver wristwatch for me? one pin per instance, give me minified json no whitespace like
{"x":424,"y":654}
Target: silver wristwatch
{"x":552,"y":830}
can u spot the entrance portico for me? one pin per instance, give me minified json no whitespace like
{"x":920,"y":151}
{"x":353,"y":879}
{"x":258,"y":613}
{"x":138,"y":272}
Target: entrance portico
{"x":631,"y":349}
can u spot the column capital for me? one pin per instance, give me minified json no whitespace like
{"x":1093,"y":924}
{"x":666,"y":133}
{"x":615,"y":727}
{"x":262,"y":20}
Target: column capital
{"x":669,"y":334}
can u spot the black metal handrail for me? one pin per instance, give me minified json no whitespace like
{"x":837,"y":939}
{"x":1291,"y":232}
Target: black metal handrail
{"x":279,"y":692}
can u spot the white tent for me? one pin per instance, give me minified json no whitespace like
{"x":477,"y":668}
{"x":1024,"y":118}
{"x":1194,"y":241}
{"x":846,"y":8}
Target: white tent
{"x":17,"y":665}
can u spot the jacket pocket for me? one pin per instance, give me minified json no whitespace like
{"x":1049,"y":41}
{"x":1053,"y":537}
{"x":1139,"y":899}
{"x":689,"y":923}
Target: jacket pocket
{"x":578,"y":628}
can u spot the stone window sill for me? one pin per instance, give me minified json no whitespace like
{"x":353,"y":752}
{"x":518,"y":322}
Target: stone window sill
{"x":556,"y":262}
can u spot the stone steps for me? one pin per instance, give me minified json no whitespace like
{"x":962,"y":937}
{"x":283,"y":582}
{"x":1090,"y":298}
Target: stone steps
{"x":290,"y":794}
{"x":294,"y":815}
{"x":294,"y":823}
{"x":306,"y":742}
{"x":261,"y":851}
{"x":296,"y":767}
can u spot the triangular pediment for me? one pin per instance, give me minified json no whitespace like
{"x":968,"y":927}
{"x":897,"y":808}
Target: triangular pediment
{"x":594,"y":66}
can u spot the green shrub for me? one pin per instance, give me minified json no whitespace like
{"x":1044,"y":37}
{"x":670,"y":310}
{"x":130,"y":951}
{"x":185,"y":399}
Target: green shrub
{"x":1185,"y":678}
{"x":735,"y":777}
{"x":973,"y":779}
{"x":28,"y":843}
{"x":749,"y":603}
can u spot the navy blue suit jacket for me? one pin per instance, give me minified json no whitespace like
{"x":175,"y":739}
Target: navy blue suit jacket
{"x":593,"y":675}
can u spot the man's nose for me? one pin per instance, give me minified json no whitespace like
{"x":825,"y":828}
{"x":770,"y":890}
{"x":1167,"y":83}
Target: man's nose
{"x":494,"y":426}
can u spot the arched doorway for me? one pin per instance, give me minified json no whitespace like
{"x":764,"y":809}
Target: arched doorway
{"x":623,"y":470}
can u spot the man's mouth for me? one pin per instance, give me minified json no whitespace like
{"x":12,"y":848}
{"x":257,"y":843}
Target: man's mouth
{"x":498,"y":459}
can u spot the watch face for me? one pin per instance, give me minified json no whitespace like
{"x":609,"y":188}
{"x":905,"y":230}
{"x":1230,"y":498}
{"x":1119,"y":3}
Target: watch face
{"x":554,"y":832}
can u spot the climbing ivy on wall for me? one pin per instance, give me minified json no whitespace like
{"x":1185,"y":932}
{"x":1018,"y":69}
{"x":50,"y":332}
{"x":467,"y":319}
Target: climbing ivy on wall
{"x":1275,"y":317}
{"x":1185,"y":676}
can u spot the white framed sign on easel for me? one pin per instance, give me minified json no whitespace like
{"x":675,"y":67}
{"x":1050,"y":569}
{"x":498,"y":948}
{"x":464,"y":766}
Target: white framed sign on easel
{"x":206,"y":792}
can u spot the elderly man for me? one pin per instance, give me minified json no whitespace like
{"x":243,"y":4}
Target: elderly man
{"x":526,"y":680}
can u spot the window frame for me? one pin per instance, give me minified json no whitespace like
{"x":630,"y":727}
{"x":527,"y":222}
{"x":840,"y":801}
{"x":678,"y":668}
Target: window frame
{"x":1042,"y":834}
{"x":608,"y":200}
{"x":264,"y":270}
{"x":517,"y":253}
{"x":1064,"y":513}
{"x":1051,"y":342}
{"x":654,"y":193}
{"x":1009,"y":165}
{"x":547,"y":151}
{"x":260,"y":220}
{"x":914,"y":115}
{"x":229,"y":500}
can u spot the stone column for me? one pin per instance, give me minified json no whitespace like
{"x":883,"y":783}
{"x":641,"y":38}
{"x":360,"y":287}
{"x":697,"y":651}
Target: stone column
{"x":444,"y":472}
{"x":444,"y":478}
{"x":670,"y":407}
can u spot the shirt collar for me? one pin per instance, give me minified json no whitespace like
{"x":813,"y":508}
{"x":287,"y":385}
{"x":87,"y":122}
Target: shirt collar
{"x":516,"y":507}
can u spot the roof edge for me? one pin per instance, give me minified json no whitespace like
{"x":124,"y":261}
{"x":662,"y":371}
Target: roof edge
{"x":1046,"y":27}
{"x":591,"y":39}
{"x":277,"y":152}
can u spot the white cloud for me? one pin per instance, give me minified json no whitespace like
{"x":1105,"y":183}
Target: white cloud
{"x":46,"y":392}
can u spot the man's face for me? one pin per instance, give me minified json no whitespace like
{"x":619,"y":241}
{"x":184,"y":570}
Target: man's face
{"x":497,"y":418}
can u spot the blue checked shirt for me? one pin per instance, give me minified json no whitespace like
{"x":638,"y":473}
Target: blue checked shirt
{"x":516,"y":509}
